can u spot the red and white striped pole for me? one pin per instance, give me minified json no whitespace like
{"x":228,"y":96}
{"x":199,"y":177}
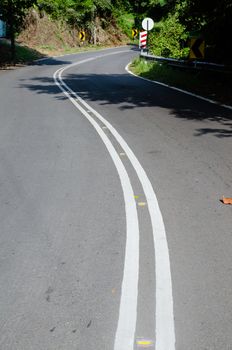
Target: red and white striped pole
{"x":147,"y":25}
{"x":143,"y":40}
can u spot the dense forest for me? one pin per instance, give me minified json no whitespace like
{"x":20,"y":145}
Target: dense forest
{"x":175,"y":21}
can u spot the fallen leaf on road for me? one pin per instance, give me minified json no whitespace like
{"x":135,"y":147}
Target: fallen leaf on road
{"x":226,"y":200}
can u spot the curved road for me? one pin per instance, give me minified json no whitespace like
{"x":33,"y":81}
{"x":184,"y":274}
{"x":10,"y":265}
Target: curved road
{"x":113,"y":236}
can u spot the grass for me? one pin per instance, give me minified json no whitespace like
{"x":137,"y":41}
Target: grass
{"x":24,"y":54}
{"x":213,"y":85}
{"x":47,"y":47}
{"x":163,"y":73}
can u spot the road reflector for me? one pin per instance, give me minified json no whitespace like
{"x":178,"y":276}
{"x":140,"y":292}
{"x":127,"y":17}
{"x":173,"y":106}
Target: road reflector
{"x":226,"y":200}
{"x":142,"y":204}
{"x":144,"y":343}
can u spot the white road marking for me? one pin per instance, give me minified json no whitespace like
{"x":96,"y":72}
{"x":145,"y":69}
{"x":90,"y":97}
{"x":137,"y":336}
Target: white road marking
{"x":177,"y":89}
{"x":165,"y":332}
{"x":78,"y":52}
{"x":129,"y":293}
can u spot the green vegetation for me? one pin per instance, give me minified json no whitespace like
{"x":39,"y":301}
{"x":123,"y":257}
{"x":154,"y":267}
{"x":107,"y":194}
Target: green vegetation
{"x":213,"y":85}
{"x":23,"y":54}
{"x":167,"y":38}
{"x":125,"y":21}
{"x":175,"y":21}
{"x":209,"y":20}
{"x":163,"y":73}
{"x":13,"y":12}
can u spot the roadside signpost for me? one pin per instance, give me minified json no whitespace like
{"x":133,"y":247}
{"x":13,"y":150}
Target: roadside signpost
{"x":82,"y":35}
{"x":197,"y":48}
{"x":134,"y":33}
{"x":143,"y":40}
{"x":147,"y":25}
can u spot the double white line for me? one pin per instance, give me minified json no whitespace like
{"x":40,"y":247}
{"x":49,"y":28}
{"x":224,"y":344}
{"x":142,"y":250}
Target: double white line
{"x":125,"y":334}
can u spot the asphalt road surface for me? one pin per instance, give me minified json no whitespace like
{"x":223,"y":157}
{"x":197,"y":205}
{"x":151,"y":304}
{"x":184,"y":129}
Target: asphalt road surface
{"x":113,"y":236}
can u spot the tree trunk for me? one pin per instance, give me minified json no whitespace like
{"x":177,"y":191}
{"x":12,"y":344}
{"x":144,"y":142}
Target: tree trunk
{"x":12,"y":32}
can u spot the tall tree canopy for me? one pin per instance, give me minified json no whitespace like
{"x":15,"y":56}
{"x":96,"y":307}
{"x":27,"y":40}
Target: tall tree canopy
{"x":211,"y":19}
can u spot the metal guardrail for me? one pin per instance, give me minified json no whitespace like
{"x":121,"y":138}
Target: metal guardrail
{"x":188,"y":64}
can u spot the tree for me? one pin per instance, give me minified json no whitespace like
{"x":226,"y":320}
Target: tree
{"x":167,"y":38}
{"x":213,"y":20}
{"x":13,"y":13}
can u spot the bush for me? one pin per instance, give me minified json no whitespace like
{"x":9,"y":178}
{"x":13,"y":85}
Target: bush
{"x":168,"y":37}
{"x":125,"y":21}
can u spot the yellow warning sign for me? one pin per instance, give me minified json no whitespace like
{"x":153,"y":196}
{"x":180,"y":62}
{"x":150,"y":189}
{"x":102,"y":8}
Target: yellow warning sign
{"x":197,"y":48}
{"x":82,"y":35}
{"x":144,"y":343}
{"x":134,"y":33}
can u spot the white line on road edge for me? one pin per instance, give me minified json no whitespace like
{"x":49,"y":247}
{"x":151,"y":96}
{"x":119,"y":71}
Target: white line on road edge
{"x":177,"y":89}
{"x":165,"y":332}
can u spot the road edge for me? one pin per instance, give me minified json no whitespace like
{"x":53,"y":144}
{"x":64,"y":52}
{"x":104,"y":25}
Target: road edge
{"x":177,"y":89}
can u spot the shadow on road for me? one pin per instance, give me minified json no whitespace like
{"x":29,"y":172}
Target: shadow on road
{"x":43,"y":85}
{"x":128,"y":92}
{"x":49,"y":61}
